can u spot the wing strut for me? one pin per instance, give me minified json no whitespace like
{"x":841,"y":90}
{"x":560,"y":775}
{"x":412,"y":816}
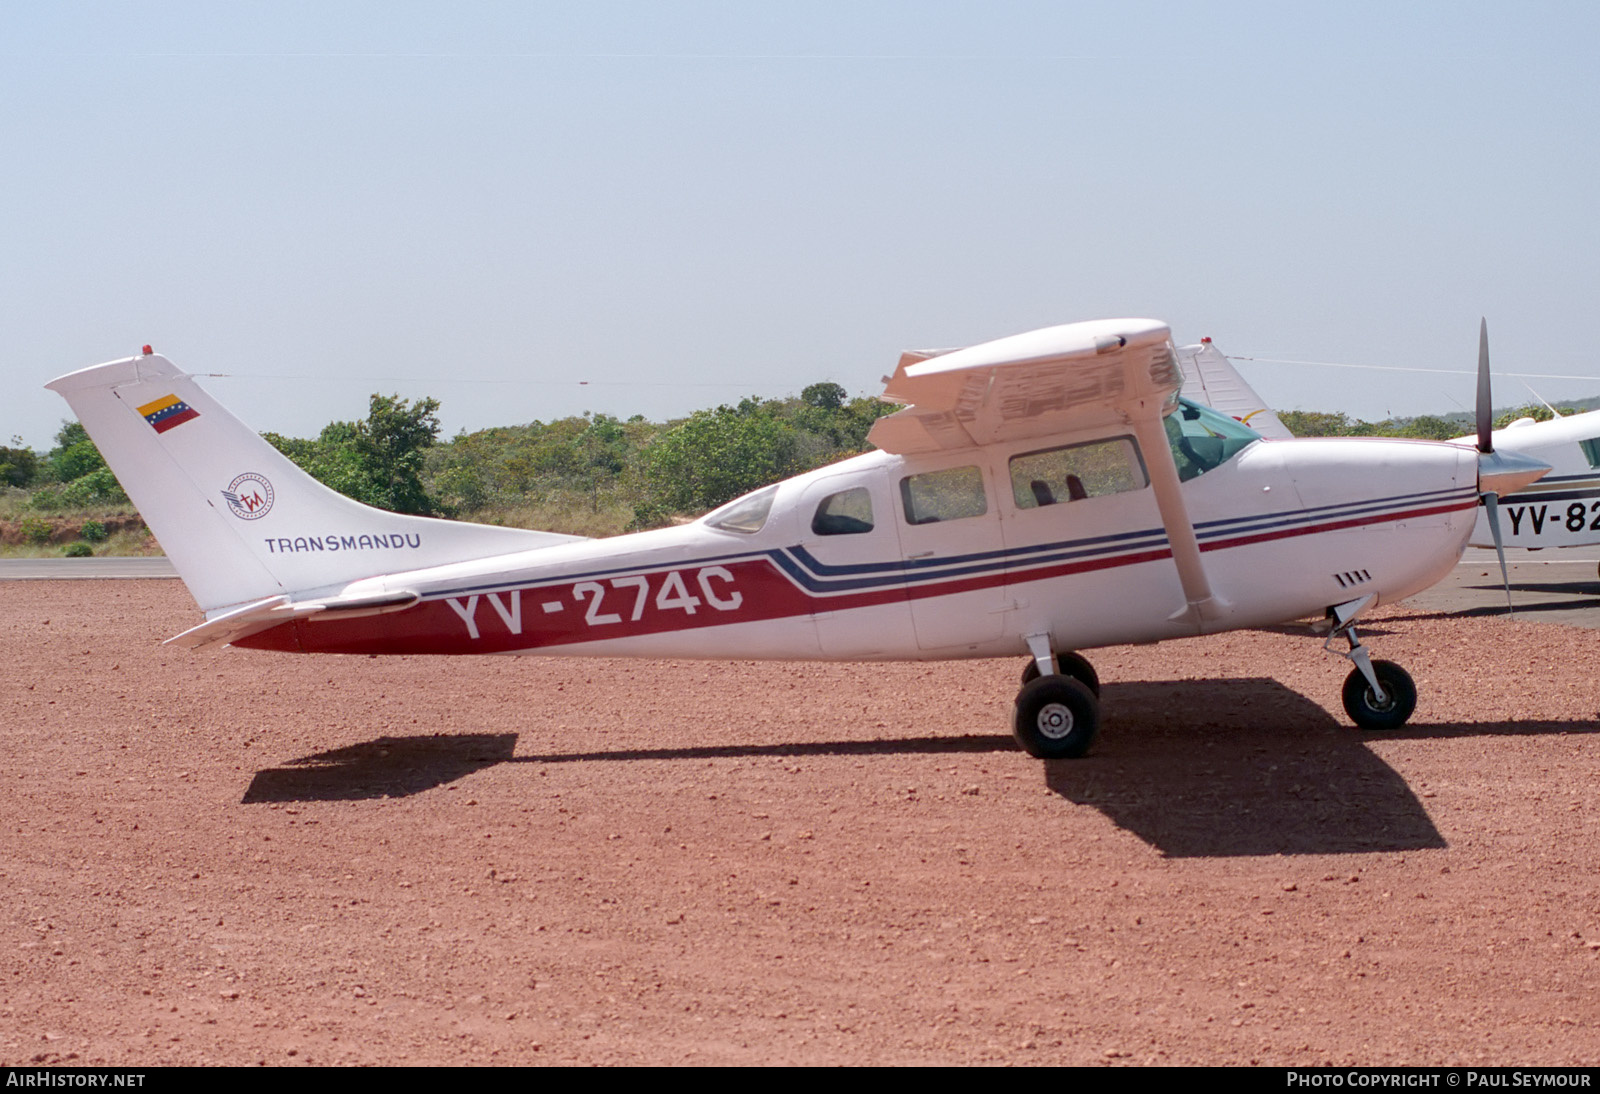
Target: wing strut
{"x":1202,"y":603}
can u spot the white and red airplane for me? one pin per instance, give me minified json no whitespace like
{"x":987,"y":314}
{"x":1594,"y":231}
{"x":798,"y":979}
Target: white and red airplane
{"x":1041,"y":494}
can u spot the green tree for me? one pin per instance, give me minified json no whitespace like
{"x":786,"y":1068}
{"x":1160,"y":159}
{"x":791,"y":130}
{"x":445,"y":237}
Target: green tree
{"x":19,"y":466}
{"x":1316,"y":423}
{"x":377,"y":461}
{"x":713,"y":456}
{"x":97,"y":489}
{"x":1432,"y":428}
{"x":74,"y":455}
{"x":1535,"y":411}
{"x":390,"y":445}
{"x":824,"y":396}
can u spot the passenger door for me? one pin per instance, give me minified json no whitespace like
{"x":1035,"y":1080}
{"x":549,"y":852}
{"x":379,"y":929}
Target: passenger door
{"x":949,"y":526}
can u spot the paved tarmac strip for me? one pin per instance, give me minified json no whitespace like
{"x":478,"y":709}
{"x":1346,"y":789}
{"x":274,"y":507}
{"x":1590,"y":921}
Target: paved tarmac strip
{"x":1553,"y":586}
{"x":62,"y":569}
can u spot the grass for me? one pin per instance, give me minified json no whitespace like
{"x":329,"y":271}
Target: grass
{"x":125,"y":544}
{"x":26,"y":532}
{"x":571,"y":515}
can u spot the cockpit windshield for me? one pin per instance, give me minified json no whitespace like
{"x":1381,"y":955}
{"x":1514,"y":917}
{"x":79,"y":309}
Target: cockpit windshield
{"x":1202,"y":438}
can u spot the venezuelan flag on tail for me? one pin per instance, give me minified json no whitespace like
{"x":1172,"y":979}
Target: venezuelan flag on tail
{"x":168,"y":412}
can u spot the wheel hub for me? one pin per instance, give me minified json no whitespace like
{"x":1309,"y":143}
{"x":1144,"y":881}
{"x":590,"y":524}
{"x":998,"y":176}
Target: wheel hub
{"x":1054,"y":721}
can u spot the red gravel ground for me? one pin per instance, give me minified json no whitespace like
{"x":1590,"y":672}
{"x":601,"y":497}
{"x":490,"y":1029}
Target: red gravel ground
{"x":239,"y":857}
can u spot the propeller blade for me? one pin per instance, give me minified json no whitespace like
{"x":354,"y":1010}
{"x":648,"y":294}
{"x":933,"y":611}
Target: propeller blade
{"x":1498,"y":472}
{"x":1491,"y":502}
{"x":1485,"y":404}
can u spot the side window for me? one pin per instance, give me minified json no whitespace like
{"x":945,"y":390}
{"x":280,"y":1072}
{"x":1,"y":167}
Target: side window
{"x":1591,"y":451}
{"x":846,"y":513}
{"x":1076,"y":472}
{"x":745,"y":515}
{"x":952,"y":494}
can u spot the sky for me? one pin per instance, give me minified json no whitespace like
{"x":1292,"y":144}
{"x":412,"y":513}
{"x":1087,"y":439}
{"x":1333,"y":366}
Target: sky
{"x":531,"y":210}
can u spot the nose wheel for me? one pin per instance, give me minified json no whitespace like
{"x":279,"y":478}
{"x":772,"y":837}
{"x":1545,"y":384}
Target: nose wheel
{"x":1377,"y":694}
{"x":1367,"y":710}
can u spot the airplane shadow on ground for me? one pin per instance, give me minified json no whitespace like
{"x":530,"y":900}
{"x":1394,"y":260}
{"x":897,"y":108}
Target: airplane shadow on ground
{"x":1249,"y":767}
{"x":1201,"y":768}
{"x":1304,"y":630}
{"x":1195,"y":768}
{"x":389,"y":767}
{"x":395,"y":767}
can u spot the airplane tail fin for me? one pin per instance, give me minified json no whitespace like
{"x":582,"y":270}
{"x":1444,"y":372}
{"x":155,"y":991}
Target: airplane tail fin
{"x":239,"y":520}
{"x":1210,"y":378}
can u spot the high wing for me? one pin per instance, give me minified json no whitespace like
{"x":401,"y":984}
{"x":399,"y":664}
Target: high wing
{"x":1055,"y":380}
{"x":1210,"y":378}
{"x":1048,"y":382}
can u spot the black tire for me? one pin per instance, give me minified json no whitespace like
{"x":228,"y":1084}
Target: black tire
{"x":1074,"y":665}
{"x":1057,"y":718}
{"x":1365,"y":711}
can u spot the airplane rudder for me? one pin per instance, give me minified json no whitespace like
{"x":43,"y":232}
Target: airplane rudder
{"x":163,"y":437}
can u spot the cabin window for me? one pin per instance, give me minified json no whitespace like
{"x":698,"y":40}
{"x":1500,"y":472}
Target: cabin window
{"x":1591,"y":451}
{"x":1077,"y":471}
{"x":745,"y":515}
{"x":1203,"y":439}
{"x":952,"y":494}
{"x":846,"y":513}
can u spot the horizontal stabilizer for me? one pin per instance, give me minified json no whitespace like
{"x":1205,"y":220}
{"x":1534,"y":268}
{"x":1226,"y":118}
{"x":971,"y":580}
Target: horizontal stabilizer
{"x":264,"y":614}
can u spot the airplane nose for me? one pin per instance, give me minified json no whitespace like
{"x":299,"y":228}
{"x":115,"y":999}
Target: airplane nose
{"x":1505,"y":473}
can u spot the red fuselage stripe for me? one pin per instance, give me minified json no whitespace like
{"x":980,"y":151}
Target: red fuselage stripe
{"x":518,"y":619}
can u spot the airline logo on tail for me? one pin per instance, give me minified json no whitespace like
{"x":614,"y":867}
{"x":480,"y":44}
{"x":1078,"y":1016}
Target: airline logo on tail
{"x":168,"y":412}
{"x":249,"y":496}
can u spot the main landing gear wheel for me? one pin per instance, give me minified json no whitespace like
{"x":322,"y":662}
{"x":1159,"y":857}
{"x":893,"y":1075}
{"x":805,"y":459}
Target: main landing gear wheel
{"x":1363,"y":707}
{"x":1074,"y":665}
{"x":1057,"y":718}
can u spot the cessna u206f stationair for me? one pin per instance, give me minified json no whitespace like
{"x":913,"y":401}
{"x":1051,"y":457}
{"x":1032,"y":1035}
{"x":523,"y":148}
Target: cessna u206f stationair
{"x":1041,"y":494}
